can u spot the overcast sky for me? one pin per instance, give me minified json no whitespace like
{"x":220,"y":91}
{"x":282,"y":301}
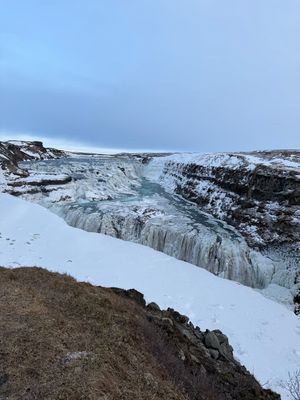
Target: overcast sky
{"x":198,"y":75}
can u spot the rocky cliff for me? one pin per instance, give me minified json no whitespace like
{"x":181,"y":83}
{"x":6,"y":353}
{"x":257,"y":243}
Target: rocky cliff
{"x":258,"y":193}
{"x":60,"y":339}
{"x":13,"y":152}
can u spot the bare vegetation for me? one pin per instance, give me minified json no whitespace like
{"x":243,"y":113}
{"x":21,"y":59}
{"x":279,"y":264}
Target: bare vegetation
{"x":292,"y":385}
{"x":60,"y":339}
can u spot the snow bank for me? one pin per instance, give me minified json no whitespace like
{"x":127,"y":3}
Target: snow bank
{"x":217,"y":160}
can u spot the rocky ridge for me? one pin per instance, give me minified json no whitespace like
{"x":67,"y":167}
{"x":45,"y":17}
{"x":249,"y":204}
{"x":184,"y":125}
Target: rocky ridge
{"x":15,"y":151}
{"x":12,"y":176}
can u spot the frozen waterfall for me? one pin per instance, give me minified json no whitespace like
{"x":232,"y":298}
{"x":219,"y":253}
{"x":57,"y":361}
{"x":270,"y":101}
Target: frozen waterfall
{"x":109,"y":195}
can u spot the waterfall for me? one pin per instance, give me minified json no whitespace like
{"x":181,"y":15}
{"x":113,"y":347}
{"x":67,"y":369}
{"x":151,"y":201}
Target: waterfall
{"x":220,"y":255}
{"x":109,"y":195}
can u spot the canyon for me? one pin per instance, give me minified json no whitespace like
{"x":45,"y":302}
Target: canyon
{"x":235,"y":214}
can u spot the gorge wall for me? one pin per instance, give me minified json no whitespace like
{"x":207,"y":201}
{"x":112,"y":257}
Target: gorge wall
{"x":258,"y":193}
{"x":260,"y":196}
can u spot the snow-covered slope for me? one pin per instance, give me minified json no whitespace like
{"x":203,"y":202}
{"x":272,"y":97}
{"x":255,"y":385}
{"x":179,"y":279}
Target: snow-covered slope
{"x":264,"y":334}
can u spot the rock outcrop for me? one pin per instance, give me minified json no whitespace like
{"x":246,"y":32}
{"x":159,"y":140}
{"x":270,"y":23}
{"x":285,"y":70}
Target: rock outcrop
{"x":12,"y":152}
{"x":12,"y":175}
{"x":60,"y":339}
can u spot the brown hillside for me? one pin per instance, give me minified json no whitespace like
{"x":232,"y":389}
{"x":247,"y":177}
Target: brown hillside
{"x":60,"y":339}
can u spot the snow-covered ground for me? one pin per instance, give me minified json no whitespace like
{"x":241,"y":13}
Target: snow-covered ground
{"x":264,"y":334}
{"x":2,"y":178}
{"x":230,"y":160}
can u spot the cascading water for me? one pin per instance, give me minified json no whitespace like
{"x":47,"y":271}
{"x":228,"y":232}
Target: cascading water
{"x":109,"y":195}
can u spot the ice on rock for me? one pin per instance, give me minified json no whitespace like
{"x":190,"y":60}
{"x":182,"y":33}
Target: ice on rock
{"x":115,"y":196}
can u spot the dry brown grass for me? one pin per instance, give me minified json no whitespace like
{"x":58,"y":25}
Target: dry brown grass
{"x":60,"y":339}
{"x":46,"y":316}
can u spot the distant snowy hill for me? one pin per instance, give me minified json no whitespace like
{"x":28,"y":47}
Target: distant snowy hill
{"x":265,"y":335}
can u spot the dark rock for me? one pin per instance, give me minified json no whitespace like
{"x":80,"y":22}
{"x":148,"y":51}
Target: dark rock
{"x":167,"y":322}
{"x":153,"y":307}
{"x":214,"y":353}
{"x":132,"y":294}
{"x":198,"y":333}
{"x":182,"y":319}
{"x":211,"y":340}
{"x":42,"y":182}
{"x":3,"y":379}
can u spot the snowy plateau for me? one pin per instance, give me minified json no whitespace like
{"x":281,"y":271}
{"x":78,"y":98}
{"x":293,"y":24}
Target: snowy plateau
{"x":214,"y":236}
